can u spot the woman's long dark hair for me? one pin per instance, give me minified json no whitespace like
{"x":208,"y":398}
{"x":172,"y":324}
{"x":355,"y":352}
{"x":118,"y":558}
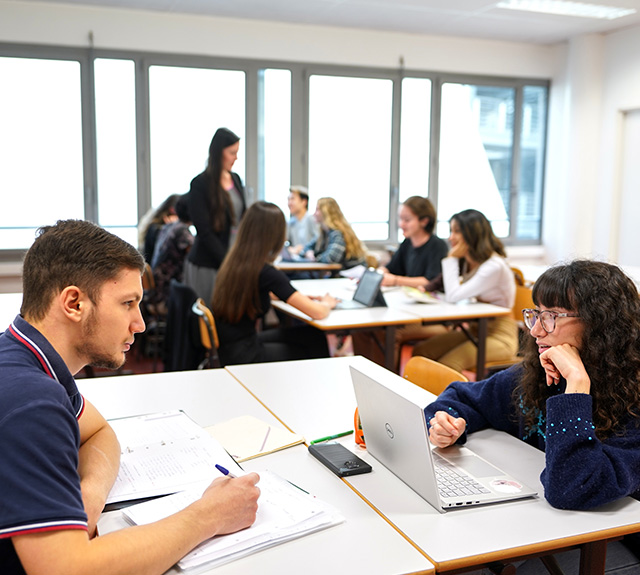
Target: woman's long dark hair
{"x":260,"y":238}
{"x":219,"y":201}
{"x":608,"y":304}
{"x":478,"y":234}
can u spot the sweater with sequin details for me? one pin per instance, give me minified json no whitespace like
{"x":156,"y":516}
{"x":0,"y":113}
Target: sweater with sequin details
{"x":581,"y":471}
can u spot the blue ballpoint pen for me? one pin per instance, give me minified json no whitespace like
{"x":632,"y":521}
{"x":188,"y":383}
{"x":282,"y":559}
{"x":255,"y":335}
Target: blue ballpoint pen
{"x":225,"y":471}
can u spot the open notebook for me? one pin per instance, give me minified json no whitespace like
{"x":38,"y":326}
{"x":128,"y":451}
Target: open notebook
{"x":247,"y":437}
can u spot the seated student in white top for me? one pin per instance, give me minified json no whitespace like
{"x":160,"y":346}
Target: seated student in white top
{"x":475,"y":268}
{"x":302,"y":227}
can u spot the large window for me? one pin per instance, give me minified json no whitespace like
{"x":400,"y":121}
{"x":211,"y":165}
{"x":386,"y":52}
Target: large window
{"x":350,"y":149}
{"x":116,"y":146}
{"x":187,"y":106}
{"x":274,"y":136}
{"x":41,"y":162}
{"x":108,"y":136}
{"x":532,"y":149}
{"x":415,"y":137}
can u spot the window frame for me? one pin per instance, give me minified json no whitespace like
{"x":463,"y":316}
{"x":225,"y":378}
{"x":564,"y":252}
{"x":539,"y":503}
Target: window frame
{"x":300,"y":77}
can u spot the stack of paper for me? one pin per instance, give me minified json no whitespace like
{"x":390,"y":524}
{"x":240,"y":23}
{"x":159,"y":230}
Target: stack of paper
{"x":164,"y":453}
{"x":248,"y":437}
{"x":285,"y":512}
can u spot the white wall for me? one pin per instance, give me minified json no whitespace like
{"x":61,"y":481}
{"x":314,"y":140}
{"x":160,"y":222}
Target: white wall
{"x":184,"y":34}
{"x":593,"y":78}
{"x":621,"y":93}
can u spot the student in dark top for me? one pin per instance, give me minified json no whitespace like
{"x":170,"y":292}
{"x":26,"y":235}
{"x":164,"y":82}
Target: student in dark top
{"x":216,"y":205}
{"x":173,"y":245}
{"x":244,"y":287}
{"x":417,"y":262}
{"x":152,"y":223}
{"x":576,"y":395}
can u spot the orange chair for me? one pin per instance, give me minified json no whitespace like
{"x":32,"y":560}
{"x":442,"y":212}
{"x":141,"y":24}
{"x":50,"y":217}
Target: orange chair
{"x":430,"y":375}
{"x":208,"y":334}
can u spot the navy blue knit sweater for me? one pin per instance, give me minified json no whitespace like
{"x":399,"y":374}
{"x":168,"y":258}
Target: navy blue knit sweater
{"x":581,"y":471}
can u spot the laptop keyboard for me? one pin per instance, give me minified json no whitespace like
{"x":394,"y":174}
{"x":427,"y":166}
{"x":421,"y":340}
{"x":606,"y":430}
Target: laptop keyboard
{"x":453,"y":482}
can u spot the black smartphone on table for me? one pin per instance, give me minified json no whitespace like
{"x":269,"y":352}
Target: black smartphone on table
{"x":339,"y":459}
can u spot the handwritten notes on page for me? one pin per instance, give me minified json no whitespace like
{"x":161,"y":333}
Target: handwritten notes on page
{"x":163,"y":453}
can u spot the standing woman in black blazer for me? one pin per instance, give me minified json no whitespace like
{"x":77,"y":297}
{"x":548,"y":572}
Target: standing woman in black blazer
{"x":216,"y":205}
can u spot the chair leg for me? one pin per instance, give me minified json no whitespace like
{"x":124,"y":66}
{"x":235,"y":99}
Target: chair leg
{"x":551,"y":563}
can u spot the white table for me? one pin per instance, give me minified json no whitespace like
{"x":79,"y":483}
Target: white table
{"x":458,"y":539}
{"x":285,"y":389}
{"x":365,"y":542}
{"x":402,"y":310}
{"x":350,"y":320}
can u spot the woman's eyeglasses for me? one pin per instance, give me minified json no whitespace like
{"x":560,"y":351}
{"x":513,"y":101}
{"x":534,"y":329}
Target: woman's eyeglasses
{"x":547,"y":318}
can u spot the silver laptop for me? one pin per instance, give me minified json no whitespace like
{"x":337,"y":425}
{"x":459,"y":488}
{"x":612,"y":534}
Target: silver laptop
{"x":368,"y":293}
{"x":395,"y":432}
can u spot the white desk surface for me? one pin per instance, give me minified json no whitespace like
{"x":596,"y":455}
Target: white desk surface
{"x":307,"y":266}
{"x":398,"y":301}
{"x":285,"y":389}
{"x":9,"y":308}
{"x":353,"y":318}
{"x":301,"y":394}
{"x":211,"y":396}
{"x":443,"y":311}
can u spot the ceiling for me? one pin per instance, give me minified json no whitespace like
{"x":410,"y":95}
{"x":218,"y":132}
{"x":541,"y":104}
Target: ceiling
{"x":465,"y":18}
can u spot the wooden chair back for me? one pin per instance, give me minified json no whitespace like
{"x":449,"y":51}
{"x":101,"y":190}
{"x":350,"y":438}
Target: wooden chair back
{"x":524,"y":298}
{"x":430,"y":375}
{"x":208,"y":332}
{"x":148,"y":281}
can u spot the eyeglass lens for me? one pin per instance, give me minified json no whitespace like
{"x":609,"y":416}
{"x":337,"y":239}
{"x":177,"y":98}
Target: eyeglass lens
{"x":547,"y":318}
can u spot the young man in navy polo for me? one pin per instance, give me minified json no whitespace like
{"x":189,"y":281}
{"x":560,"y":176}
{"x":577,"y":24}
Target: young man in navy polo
{"x":81,"y":294}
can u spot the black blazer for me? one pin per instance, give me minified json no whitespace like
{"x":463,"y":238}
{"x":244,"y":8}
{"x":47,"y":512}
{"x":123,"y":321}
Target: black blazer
{"x":209,"y":247}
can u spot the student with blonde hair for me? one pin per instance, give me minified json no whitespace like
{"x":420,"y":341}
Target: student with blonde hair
{"x":336,"y":242}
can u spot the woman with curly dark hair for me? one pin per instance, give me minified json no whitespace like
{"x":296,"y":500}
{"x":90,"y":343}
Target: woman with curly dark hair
{"x":576,"y":395}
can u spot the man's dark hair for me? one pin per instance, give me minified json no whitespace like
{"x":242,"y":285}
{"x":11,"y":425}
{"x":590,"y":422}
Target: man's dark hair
{"x":302,"y":192}
{"x":72,"y":252}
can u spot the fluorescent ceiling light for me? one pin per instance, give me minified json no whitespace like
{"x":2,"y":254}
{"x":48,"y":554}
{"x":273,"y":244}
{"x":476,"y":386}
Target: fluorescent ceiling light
{"x":567,"y":8}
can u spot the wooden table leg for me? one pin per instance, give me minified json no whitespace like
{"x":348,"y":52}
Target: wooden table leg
{"x":390,"y":348}
{"x":483,"y":325}
{"x":592,"y":558}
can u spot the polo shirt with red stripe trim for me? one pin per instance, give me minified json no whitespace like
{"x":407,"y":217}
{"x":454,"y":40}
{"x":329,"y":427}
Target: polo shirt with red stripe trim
{"x":39,"y":441}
